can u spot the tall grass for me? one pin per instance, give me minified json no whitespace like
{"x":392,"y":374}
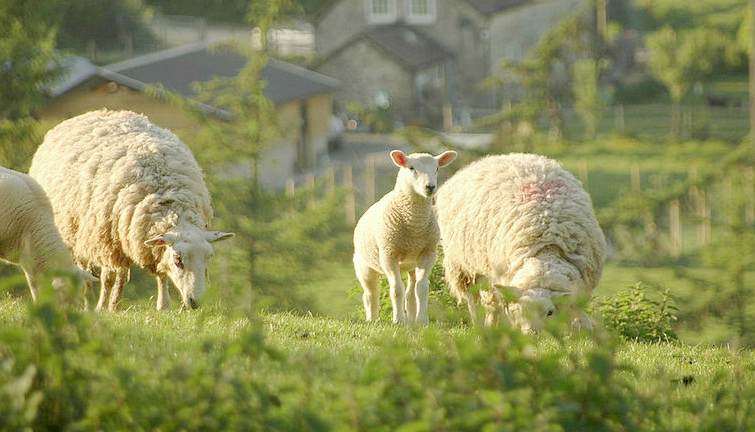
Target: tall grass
{"x":219,"y":369}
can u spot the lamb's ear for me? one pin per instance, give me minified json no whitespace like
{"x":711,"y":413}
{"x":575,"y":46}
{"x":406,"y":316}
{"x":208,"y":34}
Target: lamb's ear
{"x":446,"y":158}
{"x":399,"y":158}
{"x":213,"y":236}
{"x":160,"y":240}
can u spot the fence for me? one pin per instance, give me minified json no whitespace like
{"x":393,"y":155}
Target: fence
{"x":729,"y":123}
{"x":674,"y":216}
{"x":363,"y":182}
{"x":658,"y":215}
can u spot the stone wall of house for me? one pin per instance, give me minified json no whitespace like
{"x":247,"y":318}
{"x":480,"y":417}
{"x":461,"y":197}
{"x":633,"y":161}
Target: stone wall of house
{"x":520,"y":29}
{"x":374,"y":72}
{"x":343,"y":21}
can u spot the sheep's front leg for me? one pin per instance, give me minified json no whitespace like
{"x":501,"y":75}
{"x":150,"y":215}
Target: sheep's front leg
{"x":116,"y":291}
{"x":106,"y":276}
{"x":398,"y":295}
{"x":163,"y":293}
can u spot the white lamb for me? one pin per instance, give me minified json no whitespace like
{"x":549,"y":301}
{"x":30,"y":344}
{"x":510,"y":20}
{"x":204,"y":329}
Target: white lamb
{"x":526,"y":224}
{"x":28,"y":237}
{"x":126,"y":191}
{"x":400,"y":233}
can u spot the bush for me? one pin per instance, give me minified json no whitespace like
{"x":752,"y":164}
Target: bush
{"x":636,"y":317}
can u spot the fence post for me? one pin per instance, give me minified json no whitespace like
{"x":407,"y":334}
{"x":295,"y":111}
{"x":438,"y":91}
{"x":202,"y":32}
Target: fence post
{"x":619,"y":119}
{"x":310,"y":182}
{"x":675,"y":220}
{"x":749,"y":195}
{"x":330,"y":178}
{"x":584,"y":174}
{"x":369,"y":174}
{"x":635,"y":178}
{"x":350,"y":202}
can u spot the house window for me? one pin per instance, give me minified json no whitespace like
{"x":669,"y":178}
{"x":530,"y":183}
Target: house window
{"x":381,"y":11}
{"x":420,"y":11}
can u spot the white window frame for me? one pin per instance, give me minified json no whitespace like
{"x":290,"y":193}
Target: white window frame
{"x":423,"y":18}
{"x":387,"y":17}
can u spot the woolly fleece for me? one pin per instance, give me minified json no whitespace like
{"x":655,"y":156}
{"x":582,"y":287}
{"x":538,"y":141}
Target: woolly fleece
{"x":519,"y":220}
{"x":116,"y":180}
{"x":28,"y":236}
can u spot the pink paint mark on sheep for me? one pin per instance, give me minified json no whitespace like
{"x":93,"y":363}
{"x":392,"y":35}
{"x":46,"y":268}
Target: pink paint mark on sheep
{"x":542,"y":190}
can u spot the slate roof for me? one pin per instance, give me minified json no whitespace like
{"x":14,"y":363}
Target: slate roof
{"x":178,"y":68}
{"x":409,"y":45}
{"x":487,"y":7}
{"x":78,"y":70}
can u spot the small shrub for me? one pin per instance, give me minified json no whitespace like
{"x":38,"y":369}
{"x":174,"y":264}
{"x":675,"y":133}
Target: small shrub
{"x":636,"y":317}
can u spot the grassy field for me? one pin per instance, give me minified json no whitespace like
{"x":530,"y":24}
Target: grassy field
{"x":218,"y":369}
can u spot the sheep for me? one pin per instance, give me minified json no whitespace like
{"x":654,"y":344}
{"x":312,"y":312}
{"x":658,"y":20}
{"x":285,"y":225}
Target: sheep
{"x":526,"y":225}
{"x":400,"y":233}
{"x":28,"y":236}
{"x":125,"y":191}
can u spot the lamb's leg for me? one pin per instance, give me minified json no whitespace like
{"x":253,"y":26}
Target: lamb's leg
{"x":105,"y":282}
{"x":423,"y":287}
{"x":116,"y":292}
{"x":368,"y":278}
{"x":163,"y":293}
{"x":398,"y":295}
{"x":423,"y":290}
{"x":411,"y":296}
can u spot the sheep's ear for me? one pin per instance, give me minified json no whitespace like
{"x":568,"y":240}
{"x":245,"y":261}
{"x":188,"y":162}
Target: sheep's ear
{"x":510,"y":294}
{"x":399,"y":158}
{"x":86,"y":276}
{"x":213,"y":236}
{"x":160,"y":240}
{"x":446,"y":158}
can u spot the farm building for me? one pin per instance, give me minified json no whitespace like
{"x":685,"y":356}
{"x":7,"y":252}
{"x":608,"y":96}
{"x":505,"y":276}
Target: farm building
{"x":428,"y":57}
{"x":303,"y":99}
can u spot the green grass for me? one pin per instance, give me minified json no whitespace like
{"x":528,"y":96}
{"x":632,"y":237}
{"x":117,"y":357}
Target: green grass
{"x":217,"y":369}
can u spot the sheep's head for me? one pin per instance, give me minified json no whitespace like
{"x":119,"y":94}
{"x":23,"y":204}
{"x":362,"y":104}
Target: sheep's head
{"x":538,"y":289}
{"x":184,"y":256}
{"x":419,"y":171}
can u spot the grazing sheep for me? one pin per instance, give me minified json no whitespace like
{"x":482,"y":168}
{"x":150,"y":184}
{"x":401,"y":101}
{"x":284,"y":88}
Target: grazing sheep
{"x":126,"y":191}
{"x":525,"y":224}
{"x":400,"y":233}
{"x":28,"y":236}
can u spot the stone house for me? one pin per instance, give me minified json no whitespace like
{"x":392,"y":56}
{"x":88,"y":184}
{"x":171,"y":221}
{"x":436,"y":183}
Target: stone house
{"x":303,"y":100}
{"x":428,"y":56}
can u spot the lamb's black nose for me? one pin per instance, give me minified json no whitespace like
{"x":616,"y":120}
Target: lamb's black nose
{"x":193,"y":304}
{"x":430,"y":189}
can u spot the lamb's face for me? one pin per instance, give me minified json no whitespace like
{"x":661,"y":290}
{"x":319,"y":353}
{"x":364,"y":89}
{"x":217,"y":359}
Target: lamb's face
{"x":419,"y":171}
{"x":185,"y":257}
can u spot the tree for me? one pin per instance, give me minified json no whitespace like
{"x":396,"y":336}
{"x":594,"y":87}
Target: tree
{"x":280,"y":243}
{"x":679,"y":59}
{"x":587,"y":101}
{"x":544,"y":75}
{"x":27,"y":55}
{"x":27,"y":69}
